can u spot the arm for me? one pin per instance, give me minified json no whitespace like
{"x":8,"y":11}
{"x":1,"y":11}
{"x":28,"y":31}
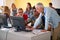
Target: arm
{"x":37,"y":22}
{"x":48,"y":19}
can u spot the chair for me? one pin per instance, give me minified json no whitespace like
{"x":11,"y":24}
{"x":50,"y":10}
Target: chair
{"x":1,"y":19}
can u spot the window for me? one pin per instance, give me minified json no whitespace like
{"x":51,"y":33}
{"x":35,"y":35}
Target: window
{"x":1,"y":3}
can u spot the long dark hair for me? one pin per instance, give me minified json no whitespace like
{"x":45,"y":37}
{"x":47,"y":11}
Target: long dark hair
{"x":29,"y":5}
{"x":6,"y":9}
{"x":13,"y":5}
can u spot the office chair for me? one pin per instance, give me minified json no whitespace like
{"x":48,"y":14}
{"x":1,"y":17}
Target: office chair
{"x":1,"y":20}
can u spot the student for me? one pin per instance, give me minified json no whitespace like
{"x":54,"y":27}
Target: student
{"x":21,"y":14}
{"x":6,"y":12}
{"x":14,"y":9}
{"x":29,"y":10}
{"x":35,"y":16}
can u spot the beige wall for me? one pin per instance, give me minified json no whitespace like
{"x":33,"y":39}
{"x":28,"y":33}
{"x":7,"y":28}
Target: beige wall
{"x":8,"y":2}
{"x":22,"y":3}
{"x":56,"y":3}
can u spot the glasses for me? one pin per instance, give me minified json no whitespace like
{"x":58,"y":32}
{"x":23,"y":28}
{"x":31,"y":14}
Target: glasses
{"x":20,"y":12}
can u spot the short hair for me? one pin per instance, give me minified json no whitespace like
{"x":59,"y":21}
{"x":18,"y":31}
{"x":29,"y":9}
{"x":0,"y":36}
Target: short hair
{"x":39,"y":4}
{"x":33,"y":7}
{"x":20,"y":9}
{"x":50,"y":3}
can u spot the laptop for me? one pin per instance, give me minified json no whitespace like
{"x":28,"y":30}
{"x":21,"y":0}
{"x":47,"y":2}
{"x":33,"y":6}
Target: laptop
{"x":18,"y":23}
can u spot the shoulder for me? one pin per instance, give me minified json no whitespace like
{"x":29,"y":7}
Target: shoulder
{"x":49,"y":10}
{"x":25,"y":15}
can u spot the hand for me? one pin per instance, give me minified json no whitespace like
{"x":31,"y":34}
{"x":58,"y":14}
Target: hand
{"x":49,"y":27}
{"x":43,"y":31}
{"x":29,"y":28}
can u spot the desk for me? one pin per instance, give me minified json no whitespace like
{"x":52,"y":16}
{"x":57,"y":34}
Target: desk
{"x":3,"y":35}
{"x":26,"y":35}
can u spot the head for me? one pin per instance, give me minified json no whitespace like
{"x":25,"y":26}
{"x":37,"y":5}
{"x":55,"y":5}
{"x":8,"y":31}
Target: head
{"x":35,"y":13}
{"x":2,"y":6}
{"x":6,"y":9}
{"x":20,"y":11}
{"x":33,"y":7}
{"x":13,"y":5}
{"x":28,"y":5}
{"x":50,"y":4}
{"x":39,"y":7}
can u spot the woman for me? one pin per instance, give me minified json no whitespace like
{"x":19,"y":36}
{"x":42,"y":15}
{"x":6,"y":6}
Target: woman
{"x":6,"y":12}
{"x":29,"y":11}
{"x":14,"y":9}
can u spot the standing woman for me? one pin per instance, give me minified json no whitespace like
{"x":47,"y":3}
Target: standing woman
{"x":29,"y":10}
{"x":14,"y":9}
{"x":6,"y":12}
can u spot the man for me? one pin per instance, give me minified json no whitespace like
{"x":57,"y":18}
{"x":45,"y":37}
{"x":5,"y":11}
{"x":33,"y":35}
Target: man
{"x":51,"y":17}
{"x":50,"y":5}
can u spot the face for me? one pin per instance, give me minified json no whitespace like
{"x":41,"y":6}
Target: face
{"x":28,"y":6}
{"x":35,"y":12}
{"x":39,"y":9}
{"x":20,"y":12}
{"x":13,"y":6}
{"x":50,"y":5}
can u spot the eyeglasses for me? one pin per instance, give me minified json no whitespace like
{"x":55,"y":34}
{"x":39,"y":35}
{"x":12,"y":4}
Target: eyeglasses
{"x":20,"y":12}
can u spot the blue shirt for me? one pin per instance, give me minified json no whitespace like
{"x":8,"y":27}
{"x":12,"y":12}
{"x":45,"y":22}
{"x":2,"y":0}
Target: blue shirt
{"x":51,"y":17}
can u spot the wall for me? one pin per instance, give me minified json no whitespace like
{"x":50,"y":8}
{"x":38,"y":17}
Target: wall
{"x":8,"y":2}
{"x":22,"y":3}
{"x":1,"y":3}
{"x":56,"y":3}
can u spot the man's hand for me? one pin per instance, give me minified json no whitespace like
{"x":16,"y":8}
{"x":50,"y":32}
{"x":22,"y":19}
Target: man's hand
{"x":49,"y":27}
{"x":43,"y":30}
{"x":30,"y":28}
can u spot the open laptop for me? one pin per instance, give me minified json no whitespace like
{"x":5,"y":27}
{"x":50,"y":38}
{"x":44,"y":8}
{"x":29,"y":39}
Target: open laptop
{"x":18,"y":23}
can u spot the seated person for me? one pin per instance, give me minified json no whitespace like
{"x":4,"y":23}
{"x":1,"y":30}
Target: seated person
{"x":29,"y":10}
{"x":21,"y":14}
{"x":34,"y":17}
{"x":6,"y":12}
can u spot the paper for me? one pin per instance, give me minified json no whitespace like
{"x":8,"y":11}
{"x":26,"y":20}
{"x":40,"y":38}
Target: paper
{"x":37,"y":32}
{"x":5,"y":29}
